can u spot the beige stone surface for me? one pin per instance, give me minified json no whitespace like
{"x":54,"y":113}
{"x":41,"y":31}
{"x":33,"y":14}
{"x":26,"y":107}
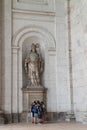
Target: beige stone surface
{"x":79,"y":57}
{"x":45,"y":22}
{"x":48,"y":126}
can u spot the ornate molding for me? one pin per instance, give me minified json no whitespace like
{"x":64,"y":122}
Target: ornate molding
{"x":52,"y":52}
{"x":15,"y":47}
{"x":33,"y":12}
{"x":33,"y":30}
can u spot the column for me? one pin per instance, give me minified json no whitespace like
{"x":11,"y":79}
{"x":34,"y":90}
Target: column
{"x":15,"y":84}
{"x":7,"y":32}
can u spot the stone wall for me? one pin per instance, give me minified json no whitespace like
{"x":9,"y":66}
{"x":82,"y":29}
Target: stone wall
{"x":44,"y":22}
{"x":78,"y":10}
{"x":7,"y":37}
{"x":62,"y":81}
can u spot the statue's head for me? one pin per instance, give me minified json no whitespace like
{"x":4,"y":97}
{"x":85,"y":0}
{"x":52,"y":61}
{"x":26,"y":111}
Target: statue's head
{"x":33,"y":47}
{"x":37,"y":45}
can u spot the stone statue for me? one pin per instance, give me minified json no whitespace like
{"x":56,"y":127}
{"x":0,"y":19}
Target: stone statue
{"x":34,"y":65}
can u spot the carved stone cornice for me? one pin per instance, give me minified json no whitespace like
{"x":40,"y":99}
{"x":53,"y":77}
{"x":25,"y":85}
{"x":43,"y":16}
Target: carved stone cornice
{"x":34,"y":89}
{"x":33,"y":12}
{"x":15,"y":47}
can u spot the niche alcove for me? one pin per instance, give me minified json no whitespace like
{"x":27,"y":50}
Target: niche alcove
{"x":21,"y":45}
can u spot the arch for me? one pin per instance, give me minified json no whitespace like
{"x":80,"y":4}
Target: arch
{"x":34,"y":31}
{"x":17,"y":71}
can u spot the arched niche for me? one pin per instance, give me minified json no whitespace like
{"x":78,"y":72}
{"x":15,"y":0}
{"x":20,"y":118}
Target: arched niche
{"x":29,"y":34}
{"x":35,"y":31}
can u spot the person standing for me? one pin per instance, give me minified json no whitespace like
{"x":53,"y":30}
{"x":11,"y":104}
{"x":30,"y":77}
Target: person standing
{"x":44,"y":111}
{"x":35,"y":110}
{"x":32,"y":112}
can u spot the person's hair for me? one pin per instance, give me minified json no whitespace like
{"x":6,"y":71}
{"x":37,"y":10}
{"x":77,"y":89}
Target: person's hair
{"x":38,"y":102}
{"x":42,"y":102}
{"x":35,"y":102}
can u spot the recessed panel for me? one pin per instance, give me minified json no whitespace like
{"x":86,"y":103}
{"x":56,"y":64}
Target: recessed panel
{"x":34,"y":5}
{"x":34,"y":1}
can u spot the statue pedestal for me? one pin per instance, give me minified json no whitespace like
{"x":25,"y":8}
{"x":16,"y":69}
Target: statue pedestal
{"x":30,"y":94}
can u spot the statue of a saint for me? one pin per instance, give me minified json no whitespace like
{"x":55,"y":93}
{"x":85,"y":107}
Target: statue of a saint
{"x":34,"y":66}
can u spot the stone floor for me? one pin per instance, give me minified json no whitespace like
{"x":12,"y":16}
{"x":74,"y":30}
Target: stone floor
{"x":46,"y":126}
